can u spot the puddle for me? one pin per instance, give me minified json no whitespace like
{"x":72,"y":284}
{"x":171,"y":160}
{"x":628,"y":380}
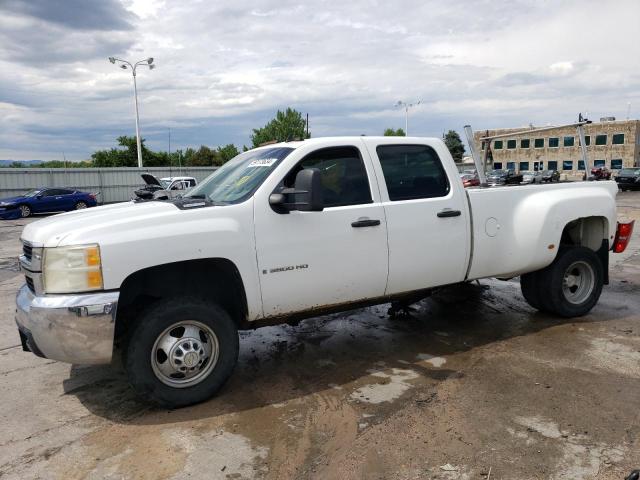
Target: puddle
{"x":432,"y":360}
{"x":396,"y":383}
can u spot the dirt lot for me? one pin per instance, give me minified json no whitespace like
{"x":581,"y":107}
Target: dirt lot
{"x":474,"y":382}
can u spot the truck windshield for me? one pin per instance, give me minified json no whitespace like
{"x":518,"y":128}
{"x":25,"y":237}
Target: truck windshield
{"x":237,"y":179}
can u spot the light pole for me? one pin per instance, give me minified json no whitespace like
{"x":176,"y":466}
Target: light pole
{"x":407,"y":106}
{"x":123,"y":64}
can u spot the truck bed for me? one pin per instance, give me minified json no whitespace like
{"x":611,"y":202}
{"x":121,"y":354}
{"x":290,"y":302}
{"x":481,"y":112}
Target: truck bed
{"x":518,"y":229}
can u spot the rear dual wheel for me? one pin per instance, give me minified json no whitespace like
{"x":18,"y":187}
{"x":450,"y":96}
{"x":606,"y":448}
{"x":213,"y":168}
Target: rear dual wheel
{"x":569,"y":287}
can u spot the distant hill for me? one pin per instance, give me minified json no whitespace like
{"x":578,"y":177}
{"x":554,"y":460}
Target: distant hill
{"x":6,"y":163}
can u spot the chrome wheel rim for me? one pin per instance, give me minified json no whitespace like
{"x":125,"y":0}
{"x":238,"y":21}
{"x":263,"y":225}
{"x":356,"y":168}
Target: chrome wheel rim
{"x":578,"y":282}
{"x":25,"y":211}
{"x":185,"y":354}
{"x":81,"y":205}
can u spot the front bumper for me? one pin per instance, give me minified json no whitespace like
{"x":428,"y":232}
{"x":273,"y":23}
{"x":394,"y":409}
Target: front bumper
{"x":70,"y":328}
{"x":7,"y":213}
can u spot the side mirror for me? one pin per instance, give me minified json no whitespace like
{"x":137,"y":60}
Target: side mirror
{"x":308,"y":190}
{"x":306,"y":195}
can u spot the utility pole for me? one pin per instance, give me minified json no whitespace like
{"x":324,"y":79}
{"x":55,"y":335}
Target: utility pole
{"x":123,"y":64}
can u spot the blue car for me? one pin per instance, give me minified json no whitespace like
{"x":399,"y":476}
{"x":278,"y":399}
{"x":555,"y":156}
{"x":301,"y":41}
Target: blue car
{"x":45,"y":200}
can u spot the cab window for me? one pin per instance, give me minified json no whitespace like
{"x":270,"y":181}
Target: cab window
{"x":412,"y":171}
{"x":343,"y":174}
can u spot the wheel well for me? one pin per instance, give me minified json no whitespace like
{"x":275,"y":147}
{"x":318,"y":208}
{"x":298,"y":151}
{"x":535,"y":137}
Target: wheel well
{"x":590,"y":232}
{"x":214,"y":279}
{"x":586,"y":232}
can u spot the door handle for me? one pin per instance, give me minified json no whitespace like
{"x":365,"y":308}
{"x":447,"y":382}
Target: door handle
{"x":365,"y":223}
{"x":447,"y":212}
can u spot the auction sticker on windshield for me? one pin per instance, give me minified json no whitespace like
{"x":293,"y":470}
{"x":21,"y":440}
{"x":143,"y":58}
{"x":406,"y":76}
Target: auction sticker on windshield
{"x":263,"y":162}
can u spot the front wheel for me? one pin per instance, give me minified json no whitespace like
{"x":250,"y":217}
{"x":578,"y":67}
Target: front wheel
{"x":25,"y":211}
{"x":181,"y":352}
{"x":572,"y":284}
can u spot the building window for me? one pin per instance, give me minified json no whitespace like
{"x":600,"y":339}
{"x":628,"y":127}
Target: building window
{"x":601,"y":139}
{"x":580,"y":164}
{"x":599,"y":163}
{"x":617,"y":139}
{"x":524,"y":166}
{"x":567,"y":165}
{"x":616,"y":163}
{"x":525,"y":143}
{"x":552,"y":165}
{"x":511,"y":165}
{"x":497,"y":145}
{"x":568,"y":141}
{"x":538,"y":143}
{"x":511,"y":144}
{"x":554,"y":142}
{"x":587,"y":140}
{"x":497,"y":166}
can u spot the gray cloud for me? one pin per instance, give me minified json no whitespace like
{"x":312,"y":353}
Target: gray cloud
{"x":223,"y":70}
{"x":74,"y":14}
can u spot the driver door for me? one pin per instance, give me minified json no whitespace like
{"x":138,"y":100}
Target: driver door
{"x":311,"y":260}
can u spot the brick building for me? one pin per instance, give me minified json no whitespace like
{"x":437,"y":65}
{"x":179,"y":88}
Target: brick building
{"x":613,"y":144}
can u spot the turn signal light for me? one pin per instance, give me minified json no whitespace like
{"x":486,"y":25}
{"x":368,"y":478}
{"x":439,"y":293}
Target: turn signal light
{"x":623,"y":235}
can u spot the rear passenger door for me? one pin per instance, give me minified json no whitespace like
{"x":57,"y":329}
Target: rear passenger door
{"x":426,"y":212}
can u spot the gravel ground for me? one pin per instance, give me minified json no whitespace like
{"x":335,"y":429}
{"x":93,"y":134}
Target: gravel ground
{"x":474,"y":384}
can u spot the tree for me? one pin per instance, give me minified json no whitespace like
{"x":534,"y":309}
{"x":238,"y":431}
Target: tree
{"x":227,"y":152}
{"x":390,"y":132}
{"x":454,"y":144}
{"x":286,"y":126}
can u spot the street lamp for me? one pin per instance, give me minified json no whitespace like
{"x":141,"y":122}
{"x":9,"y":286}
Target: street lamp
{"x":124,"y":65}
{"x":407,"y":106}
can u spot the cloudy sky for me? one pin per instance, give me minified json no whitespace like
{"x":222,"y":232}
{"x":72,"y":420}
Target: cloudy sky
{"x":224,"y":68}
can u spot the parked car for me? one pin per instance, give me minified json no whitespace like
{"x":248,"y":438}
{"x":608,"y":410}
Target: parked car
{"x":173,"y":186}
{"x":600,"y":173}
{"x":42,"y":200}
{"x":628,"y":179}
{"x":469,"y":180}
{"x":550,"y":176}
{"x":294,"y":230}
{"x":529,"y":176}
{"x":503,"y":177}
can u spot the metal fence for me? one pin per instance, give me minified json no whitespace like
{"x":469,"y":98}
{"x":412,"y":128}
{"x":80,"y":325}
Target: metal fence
{"x":109,"y":184}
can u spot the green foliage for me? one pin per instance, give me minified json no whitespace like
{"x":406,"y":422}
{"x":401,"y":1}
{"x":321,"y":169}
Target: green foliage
{"x":390,"y":132}
{"x":127,"y":156}
{"x":454,"y":144}
{"x":286,"y":126}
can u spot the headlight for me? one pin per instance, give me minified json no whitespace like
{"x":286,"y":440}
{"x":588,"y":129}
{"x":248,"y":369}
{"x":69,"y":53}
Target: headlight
{"x":72,"y":269}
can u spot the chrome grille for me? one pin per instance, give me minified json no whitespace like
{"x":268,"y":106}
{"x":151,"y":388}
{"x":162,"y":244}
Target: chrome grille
{"x":27,"y":250}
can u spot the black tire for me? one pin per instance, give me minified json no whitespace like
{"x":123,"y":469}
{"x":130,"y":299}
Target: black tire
{"x":554,"y":296}
{"x":153,"y":324}
{"x":81,"y":205}
{"x":25,"y":211}
{"x":529,"y":284}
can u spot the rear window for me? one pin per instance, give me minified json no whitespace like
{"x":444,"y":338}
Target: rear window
{"x":412,"y":171}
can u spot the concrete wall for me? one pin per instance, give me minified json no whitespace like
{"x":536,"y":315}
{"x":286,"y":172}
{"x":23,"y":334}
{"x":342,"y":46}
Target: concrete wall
{"x":110,"y":184}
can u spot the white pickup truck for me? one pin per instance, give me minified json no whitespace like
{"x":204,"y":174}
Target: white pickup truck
{"x":293,"y":230}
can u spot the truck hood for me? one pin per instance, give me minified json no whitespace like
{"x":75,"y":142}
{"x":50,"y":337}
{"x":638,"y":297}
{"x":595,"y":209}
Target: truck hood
{"x":150,"y":179}
{"x":52,"y":231}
